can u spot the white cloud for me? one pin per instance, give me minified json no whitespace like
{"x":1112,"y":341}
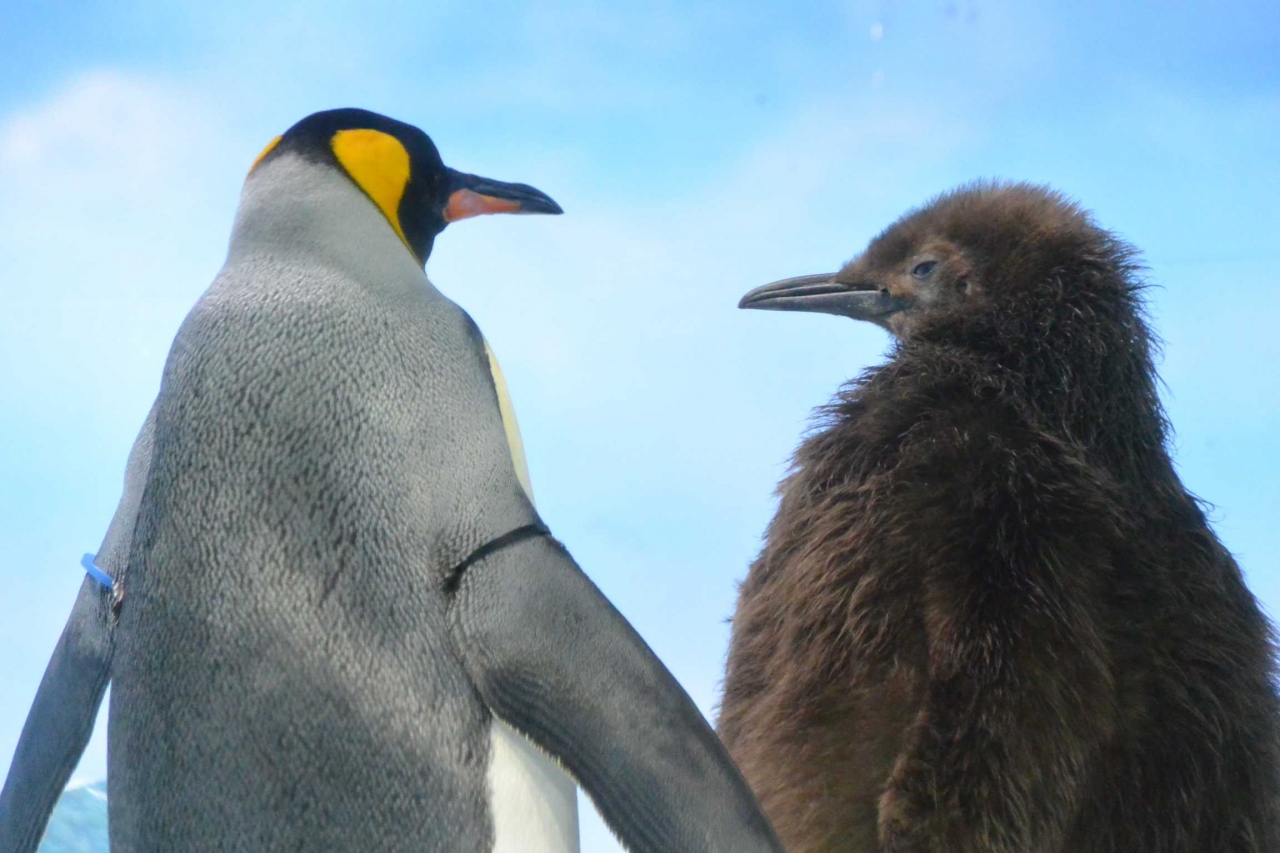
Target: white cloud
{"x":108,"y":192}
{"x":105,"y":135}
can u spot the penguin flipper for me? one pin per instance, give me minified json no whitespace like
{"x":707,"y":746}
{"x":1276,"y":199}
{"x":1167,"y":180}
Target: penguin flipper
{"x":60,"y":721}
{"x":61,"y":718}
{"x":553,"y":658}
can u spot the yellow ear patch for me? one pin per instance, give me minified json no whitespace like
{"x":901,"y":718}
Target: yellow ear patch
{"x":265,"y":151}
{"x":509,"y":425}
{"x":379,"y":164}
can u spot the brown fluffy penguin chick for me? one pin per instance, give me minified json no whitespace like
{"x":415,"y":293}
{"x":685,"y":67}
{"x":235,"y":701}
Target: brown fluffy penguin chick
{"x":988,"y":617}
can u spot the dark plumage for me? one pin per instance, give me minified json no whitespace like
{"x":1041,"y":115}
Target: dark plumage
{"x":988,"y":616}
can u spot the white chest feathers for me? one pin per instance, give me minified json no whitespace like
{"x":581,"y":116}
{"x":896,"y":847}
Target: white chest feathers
{"x":534,"y":803}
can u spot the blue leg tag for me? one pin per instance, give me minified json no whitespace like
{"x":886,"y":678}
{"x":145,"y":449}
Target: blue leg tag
{"x":94,"y":572}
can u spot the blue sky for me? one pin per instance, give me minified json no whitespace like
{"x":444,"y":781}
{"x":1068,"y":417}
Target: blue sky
{"x":699,"y":149}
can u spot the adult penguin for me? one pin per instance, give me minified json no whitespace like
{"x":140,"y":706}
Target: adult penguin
{"x":336,"y":621}
{"x":988,"y":617}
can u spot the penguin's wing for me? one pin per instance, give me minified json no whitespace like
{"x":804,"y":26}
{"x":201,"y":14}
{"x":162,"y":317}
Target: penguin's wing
{"x":60,"y":721}
{"x":61,"y":718}
{"x":553,"y":658}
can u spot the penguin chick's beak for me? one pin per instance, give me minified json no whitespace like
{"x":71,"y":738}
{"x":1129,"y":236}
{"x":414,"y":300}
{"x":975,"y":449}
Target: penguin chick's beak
{"x":824,"y":295}
{"x":472,"y":195}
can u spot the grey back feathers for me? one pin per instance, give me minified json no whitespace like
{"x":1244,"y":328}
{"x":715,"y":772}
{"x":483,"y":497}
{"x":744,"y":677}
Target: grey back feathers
{"x":327,"y":446}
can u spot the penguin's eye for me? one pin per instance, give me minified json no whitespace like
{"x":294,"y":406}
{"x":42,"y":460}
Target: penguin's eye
{"x":923,"y":268}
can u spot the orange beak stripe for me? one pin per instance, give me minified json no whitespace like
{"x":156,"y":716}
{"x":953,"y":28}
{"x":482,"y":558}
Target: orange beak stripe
{"x":465,"y":203}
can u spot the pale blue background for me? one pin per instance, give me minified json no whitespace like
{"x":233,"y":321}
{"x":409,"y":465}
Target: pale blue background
{"x":699,"y":149}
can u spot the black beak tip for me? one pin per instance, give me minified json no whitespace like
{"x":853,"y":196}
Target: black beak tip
{"x":531,"y":199}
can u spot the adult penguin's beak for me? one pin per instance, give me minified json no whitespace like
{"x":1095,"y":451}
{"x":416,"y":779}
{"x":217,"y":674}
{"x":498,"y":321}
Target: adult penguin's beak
{"x":472,"y":195}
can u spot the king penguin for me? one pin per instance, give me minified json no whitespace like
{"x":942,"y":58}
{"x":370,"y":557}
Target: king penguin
{"x":988,"y":616}
{"x":335,"y":619}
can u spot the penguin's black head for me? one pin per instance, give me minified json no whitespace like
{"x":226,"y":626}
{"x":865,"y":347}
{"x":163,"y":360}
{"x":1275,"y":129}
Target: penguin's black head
{"x":398,"y":167}
{"x":970,"y":256}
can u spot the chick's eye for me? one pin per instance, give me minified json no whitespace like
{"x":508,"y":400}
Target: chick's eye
{"x":923,"y":268}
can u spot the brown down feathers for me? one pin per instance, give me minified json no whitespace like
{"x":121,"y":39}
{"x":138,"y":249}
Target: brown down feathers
{"x":988,"y":617}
